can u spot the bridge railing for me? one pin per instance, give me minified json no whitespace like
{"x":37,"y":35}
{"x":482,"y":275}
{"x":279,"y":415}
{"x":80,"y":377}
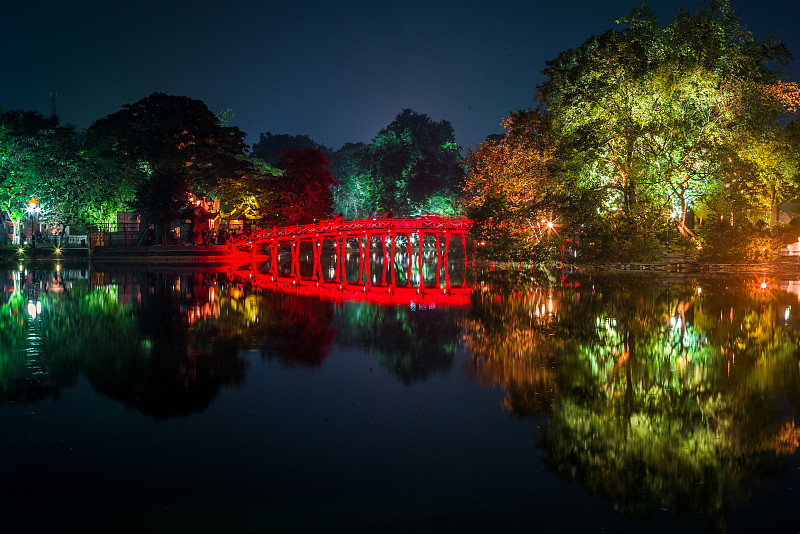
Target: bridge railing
{"x":429,"y":223}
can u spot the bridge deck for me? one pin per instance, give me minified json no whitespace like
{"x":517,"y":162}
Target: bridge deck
{"x":333,"y":227}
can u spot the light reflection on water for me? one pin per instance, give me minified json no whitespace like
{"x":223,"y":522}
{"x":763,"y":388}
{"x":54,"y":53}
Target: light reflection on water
{"x":649,"y":403}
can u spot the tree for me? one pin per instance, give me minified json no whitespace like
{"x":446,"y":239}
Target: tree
{"x":304,"y":191}
{"x":23,"y":136}
{"x":253,"y":195}
{"x":509,"y":186}
{"x":653,"y":113}
{"x":351,"y":193}
{"x":167,"y":147}
{"x":411,"y":166}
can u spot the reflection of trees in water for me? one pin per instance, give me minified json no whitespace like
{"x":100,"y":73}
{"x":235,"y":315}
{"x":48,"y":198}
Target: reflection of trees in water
{"x":148,"y":357}
{"x":411,"y":344}
{"x":511,"y":333}
{"x":173,"y":367}
{"x":300,"y":331}
{"x":659,"y":396}
{"x":27,"y":374}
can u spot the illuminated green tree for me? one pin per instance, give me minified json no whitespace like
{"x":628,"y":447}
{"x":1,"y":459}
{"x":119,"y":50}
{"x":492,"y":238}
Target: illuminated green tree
{"x":651,"y":114}
{"x":411,"y":167}
{"x":23,"y":144}
{"x":44,"y":160}
{"x":352,"y":191}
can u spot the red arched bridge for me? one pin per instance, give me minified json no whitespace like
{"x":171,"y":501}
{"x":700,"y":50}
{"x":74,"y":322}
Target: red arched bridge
{"x":264,"y":245}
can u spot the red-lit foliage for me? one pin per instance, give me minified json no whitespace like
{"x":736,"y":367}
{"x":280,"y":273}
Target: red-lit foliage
{"x":305,"y":189}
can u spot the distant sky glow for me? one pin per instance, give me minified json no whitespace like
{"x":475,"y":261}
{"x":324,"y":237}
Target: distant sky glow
{"x":336,"y":71}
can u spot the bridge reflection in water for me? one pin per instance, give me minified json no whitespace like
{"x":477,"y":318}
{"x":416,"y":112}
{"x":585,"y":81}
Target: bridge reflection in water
{"x":389,"y":261}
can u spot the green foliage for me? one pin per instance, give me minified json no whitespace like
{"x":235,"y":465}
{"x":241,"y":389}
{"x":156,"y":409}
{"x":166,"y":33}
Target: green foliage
{"x":53,"y":163}
{"x":253,"y":195}
{"x":167,"y":147}
{"x":652,"y":115}
{"x":742,"y":242}
{"x":411,"y":161}
{"x":633,"y":235}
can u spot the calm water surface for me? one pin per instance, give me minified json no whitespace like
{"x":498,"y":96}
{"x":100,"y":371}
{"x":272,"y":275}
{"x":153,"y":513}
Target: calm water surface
{"x":204,"y":402}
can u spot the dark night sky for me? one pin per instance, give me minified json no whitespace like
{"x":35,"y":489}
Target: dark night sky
{"x":336,"y":71}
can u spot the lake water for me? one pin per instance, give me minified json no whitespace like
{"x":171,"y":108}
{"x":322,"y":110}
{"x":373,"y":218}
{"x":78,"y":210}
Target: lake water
{"x":204,"y":401}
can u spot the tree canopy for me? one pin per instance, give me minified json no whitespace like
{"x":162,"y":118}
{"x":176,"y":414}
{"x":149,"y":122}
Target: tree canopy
{"x":649,"y":121}
{"x":304,"y":189}
{"x":168,"y":146}
{"x":412,"y":166}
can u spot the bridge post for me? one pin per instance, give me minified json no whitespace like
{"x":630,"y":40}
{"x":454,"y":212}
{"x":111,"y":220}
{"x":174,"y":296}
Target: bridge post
{"x":392,"y":273}
{"x":360,"y":259}
{"x":438,"y":262}
{"x":367,"y":259}
{"x":317,"y":246}
{"x":341,"y":245}
{"x":385,"y":258}
{"x":419,"y":259}
{"x":295,"y":258}
{"x":410,"y":259}
{"x":446,"y":259}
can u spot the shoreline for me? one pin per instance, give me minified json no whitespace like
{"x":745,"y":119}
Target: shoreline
{"x":219,"y":255}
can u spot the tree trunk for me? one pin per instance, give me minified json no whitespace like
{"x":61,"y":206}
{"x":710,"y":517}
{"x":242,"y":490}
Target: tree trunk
{"x":773,"y":214}
{"x":17,"y":231}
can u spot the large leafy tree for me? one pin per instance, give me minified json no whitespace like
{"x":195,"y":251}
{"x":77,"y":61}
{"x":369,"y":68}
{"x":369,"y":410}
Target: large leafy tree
{"x":510,"y":185}
{"x":351,"y":194}
{"x":167,"y":147}
{"x":46,"y":161}
{"x":412,"y":166}
{"x":22,"y":139}
{"x":653,"y":113}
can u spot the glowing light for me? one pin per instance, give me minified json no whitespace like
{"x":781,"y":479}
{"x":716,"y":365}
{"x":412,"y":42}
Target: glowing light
{"x":763,"y":285}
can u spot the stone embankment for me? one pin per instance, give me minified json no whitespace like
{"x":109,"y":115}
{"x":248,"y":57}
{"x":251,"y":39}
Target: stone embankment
{"x":177,"y":255}
{"x":11,"y":254}
{"x":122,"y":255}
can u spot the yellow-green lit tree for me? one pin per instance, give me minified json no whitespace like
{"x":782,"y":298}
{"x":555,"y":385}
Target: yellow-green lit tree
{"x":651,"y":114}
